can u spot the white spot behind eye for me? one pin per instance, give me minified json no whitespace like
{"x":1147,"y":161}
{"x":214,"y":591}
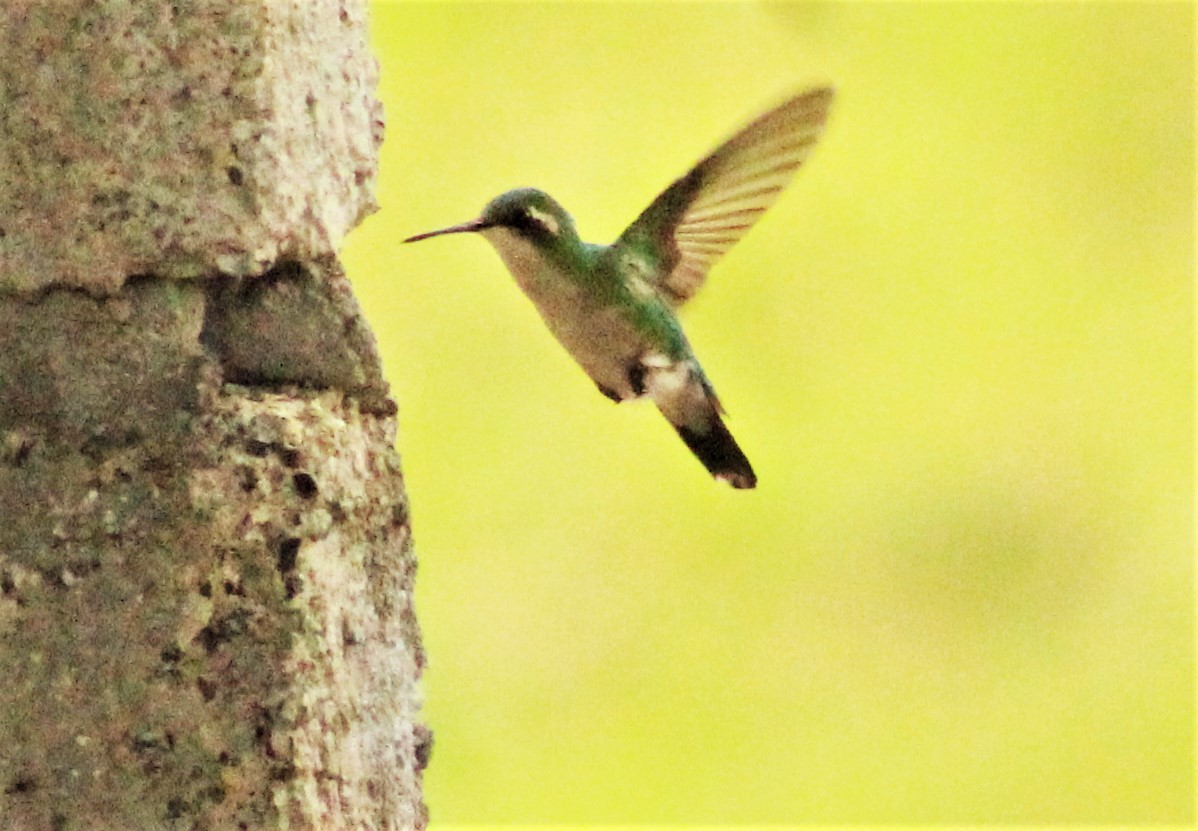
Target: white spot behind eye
{"x":547,"y":220}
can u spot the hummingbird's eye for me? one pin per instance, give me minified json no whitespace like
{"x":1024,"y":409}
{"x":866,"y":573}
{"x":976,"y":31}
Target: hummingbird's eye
{"x":535,"y":222}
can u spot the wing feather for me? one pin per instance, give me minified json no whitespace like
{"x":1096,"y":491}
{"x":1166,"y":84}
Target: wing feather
{"x":701,"y":215}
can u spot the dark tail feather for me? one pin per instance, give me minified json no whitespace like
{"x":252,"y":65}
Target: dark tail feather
{"x":719,"y":453}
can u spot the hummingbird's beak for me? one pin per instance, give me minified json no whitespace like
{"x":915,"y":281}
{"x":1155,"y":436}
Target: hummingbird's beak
{"x":465,"y":228}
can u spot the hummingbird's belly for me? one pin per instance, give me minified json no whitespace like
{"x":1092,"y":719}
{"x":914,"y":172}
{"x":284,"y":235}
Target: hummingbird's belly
{"x":599,"y":335}
{"x":600,"y":338}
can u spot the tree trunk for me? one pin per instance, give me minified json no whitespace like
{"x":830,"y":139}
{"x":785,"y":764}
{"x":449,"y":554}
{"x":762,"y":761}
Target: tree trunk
{"x":205,"y":563}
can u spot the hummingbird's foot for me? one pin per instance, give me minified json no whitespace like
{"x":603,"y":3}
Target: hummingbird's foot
{"x":636,"y":379}
{"x":610,"y":393}
{"x":636,"y":383}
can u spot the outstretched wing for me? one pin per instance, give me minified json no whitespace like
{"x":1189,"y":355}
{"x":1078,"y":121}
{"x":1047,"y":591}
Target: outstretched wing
{"x":695,"y":220}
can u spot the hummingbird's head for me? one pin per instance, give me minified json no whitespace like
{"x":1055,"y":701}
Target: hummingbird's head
{"x":528,"y":213}
{"x":525,"y":214}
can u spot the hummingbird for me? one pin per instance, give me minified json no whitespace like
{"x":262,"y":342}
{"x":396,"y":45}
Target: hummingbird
{"x":613,"y":307}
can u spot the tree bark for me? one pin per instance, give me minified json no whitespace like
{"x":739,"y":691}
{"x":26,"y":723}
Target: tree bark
{"x":205,"y":563}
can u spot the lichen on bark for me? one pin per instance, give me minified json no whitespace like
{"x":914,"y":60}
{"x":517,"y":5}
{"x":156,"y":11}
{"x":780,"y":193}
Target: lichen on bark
{"x":206,"y":568}
{"x":205,"y":588}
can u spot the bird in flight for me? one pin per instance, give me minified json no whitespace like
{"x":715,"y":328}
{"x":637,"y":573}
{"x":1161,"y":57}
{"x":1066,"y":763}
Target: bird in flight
{"x":613,"y":307}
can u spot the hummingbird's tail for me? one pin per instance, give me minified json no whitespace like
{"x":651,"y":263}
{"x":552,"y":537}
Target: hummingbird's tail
{"x":718,"y":451}
{"x":685,"y":397}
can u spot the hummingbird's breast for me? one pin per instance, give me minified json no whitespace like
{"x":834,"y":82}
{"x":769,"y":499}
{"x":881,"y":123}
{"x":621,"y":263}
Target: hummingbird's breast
{"x":581,"y":305}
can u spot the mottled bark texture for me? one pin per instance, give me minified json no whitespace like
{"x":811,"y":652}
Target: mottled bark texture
{"x":205,"y":563}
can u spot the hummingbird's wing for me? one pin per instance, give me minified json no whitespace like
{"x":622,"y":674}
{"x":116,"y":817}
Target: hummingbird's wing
{"x":695,"y":220}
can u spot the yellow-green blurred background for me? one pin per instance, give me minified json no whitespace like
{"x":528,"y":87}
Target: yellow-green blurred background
{"x":958,"y":352}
